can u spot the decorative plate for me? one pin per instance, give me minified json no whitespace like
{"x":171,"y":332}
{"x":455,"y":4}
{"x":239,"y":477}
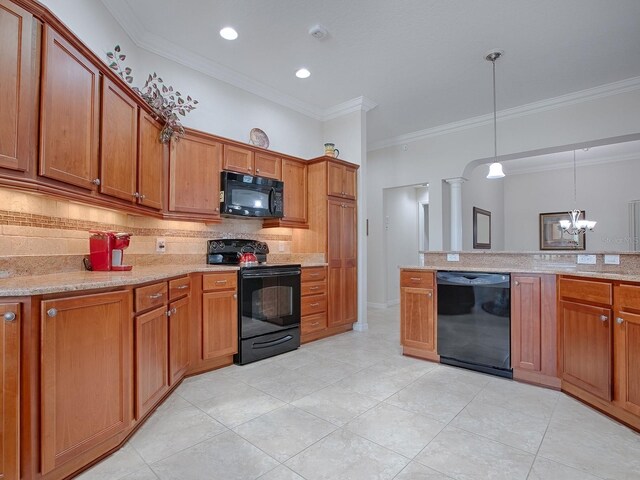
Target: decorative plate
{"x":258,"y":138}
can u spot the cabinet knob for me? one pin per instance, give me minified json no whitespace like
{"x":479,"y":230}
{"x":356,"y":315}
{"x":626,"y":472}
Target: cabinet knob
{"x":429,"y":294}
{"x":136,"y":194}
{"x":249,"y":168}
{"x":143,"y":196}
{"x":52,"y":312}
{"x":235,"y":295}
{"x":603,"y":318}
{"x":96,"y":181}
{"x":257,"y":170}
{"x":174,"y":310}
{"x":619,"y":320}
{"x":168,"y":313}
{"x":9,"y":317}
{"x":517,"y":283}
{"x":217,"y":209}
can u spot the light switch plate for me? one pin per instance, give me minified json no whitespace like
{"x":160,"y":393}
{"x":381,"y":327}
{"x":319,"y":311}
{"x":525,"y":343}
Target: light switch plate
{"x":161,"y":245}
{"x":453,"y":257}
{"x":612,"y":259}
{"x":587,"y":259}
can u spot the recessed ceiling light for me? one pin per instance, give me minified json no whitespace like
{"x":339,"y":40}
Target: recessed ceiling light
{"x":303,"y":73}
{"x":228,"y":33}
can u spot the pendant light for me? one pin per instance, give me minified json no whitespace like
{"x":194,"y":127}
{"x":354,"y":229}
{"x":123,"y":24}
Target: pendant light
{"x":495,"y":169}
{"x":575,"y":226}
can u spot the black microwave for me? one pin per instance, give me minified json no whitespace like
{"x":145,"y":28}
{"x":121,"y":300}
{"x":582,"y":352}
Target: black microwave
{"x":249,"y":196}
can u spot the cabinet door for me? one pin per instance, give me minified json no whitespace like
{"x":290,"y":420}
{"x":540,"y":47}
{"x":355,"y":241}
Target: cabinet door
{"x":86,"y":374}
{"x":151,"y":155}
{"x":294,"y":176}
{"x":335,"y":172}
{"x":268,"y":165}
{"x":194,"y":185}
{"x":417,"y":325}
{"x":334,"y":260}
{"x":349,"y":182}
{"x":525,"y":323}
{"x":219,"y":324}
{"x":10,"y":392}
{"x":179,"y":339}
{"x":15,"y":85}
{"x":238,"y":159}
{"x":152,"y":359}
{"x":585,"y":339}
{"x":118,"y":143}
{"x":69,"y":116}
{"x":627,"y":351}
{"x":349,"y":253}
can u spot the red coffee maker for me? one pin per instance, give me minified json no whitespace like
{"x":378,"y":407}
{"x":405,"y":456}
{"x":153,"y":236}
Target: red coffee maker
{"x":105,"y":250}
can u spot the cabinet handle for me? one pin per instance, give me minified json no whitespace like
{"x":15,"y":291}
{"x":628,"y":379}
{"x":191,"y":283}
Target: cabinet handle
{"x":603,"y":318}
{"x":314,"y":274}
{"x":96,"y":181}
{"x":9,"y":317}
{"x":315,"y":324}
{"x":314,"y":304}
{"x":619,"y":320}
{"x":156,"y":295}
{"x":415,"y":279}
{"x":182,"y":287}
{"x":221,"y":281}
{"x":52,"y":312}
{"x":314,"y":288}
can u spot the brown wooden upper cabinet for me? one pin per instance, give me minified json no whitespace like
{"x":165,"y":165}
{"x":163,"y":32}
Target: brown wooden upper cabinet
{"x":194,"y":175}
{"x":151,"y":164}
{"x":341,"y":180}
{"x":69,"y":114}
{"x":245,"y":160}
{"x":10,"y":391}
{"x":16,"y":86}
{"x":294,"y":177}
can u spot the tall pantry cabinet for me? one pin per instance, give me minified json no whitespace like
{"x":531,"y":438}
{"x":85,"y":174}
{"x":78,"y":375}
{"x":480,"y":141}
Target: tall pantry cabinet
{"x":332,"y":218}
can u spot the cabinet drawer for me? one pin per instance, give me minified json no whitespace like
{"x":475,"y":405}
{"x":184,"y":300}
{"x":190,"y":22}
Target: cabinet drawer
{"x":416,"y":278}
{"x":313,"y":304}
{"x":313,"y":288}
{"x":313,"y":323}
{"x":179,"y":287}
{"x":219,"y":281}
{"x":150,"y":296}
{"x":313,"y":274}
{"x":628,"y":296}
{"x":586,"y":290}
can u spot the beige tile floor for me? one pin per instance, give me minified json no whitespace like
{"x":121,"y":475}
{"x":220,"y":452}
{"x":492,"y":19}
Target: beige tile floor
{"x":352,"y":407}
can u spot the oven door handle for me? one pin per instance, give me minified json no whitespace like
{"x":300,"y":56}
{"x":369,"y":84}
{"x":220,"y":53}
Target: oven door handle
{"x":270,"y":274}
{"x":272,"y":343}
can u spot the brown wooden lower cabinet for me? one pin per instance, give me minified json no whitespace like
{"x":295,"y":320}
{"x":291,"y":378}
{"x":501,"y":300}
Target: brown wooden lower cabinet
{"x":626,"y":338}
{"x":86,"y":375}
{"x":418,"y":321}
{"x":10,"y":391}
{"x":219,"y":316}
{"x":179,"y":338}
{"x":152,"y":359}
{"x":533,"y":329}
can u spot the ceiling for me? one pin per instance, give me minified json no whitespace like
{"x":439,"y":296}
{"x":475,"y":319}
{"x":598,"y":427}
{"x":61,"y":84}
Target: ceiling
{"x":421,"y":61}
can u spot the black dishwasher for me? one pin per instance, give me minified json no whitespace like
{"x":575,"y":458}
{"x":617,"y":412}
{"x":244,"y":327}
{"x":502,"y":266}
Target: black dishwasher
{"x":474,"y":321}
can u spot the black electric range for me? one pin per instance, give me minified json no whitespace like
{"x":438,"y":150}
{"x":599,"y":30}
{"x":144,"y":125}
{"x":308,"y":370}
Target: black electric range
{"x":268,"y":300}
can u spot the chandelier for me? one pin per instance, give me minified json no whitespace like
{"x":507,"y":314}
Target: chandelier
{"x":576,"y":226}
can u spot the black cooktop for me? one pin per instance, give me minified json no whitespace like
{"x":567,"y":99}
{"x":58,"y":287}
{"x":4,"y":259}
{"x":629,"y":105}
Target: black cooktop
{"x":227,"y":251}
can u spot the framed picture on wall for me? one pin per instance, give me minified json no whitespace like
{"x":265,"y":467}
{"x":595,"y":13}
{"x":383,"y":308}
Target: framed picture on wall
{"x":552,"y":237}
{"x":481,"y":228}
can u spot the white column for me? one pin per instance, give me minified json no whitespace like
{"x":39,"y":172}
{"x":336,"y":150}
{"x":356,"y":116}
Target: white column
{"x":456,"y":212}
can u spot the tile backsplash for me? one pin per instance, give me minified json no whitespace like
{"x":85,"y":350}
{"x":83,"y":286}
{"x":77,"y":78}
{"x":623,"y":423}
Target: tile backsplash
{"x":39,"y":230}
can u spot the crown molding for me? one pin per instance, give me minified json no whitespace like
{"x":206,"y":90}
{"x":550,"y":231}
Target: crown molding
{"x":514,"y":170}
{"x":354,"y":105}
{"x":615,"y":88}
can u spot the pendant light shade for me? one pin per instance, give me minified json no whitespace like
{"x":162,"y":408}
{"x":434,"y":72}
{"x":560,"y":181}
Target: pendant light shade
{"x":495,"y":169}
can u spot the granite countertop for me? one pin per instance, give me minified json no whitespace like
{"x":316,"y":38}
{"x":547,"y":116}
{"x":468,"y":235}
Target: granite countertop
{"x":554,"y":270}
{"x":25,"y":286}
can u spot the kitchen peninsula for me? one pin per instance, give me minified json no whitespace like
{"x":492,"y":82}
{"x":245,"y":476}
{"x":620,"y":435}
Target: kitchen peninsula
{"x":574,"y":327}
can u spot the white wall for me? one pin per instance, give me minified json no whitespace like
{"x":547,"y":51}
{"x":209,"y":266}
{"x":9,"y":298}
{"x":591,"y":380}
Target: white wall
{"x":479,"y":191}
{"x":442,"y":156}
{"x":222,"y":110}
{"x":603,"y":191}
{"x":401,"y":229}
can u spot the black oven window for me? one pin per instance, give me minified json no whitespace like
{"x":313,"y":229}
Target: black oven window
{"x":271,"y":304}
